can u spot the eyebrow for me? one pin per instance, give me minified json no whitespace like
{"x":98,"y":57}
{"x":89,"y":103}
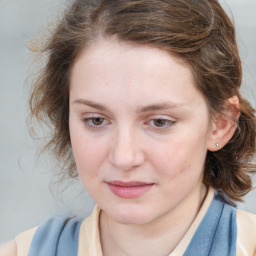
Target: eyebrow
{"x":91,"y":104}
{"x":161,"y":106}
{"x":153,"y":107}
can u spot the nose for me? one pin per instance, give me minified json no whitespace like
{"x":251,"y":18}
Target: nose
{"x":126,"y":151}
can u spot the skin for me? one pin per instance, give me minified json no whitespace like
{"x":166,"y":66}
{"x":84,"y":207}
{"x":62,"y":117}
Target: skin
{"x":136,"y":115}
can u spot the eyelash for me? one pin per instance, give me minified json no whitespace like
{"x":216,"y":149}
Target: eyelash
{"x":90,"y":122}
{"x":167,"y":123}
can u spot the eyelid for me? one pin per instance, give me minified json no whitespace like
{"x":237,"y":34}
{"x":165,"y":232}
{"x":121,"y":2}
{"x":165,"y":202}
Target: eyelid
{"x":169,"y":120}
{"x":164,"y":117}
{"x":90,"y":116}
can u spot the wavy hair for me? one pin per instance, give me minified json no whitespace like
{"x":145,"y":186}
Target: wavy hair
{"x":199,"y":31}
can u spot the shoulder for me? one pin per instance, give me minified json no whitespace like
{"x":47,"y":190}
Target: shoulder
{"x":56,"y":236}
{"x":23,"y":241}
{"x":246,"y":233}
{"x":48,"y":232}
{"x":20,"y":245}
{"x":8,"y":249}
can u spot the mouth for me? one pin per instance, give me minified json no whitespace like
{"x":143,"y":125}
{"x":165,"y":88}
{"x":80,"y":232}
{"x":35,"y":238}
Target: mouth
{"x":130,"y":189}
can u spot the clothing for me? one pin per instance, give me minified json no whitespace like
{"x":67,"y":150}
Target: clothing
{"x":89,"y":238}
{"x":57,"y":236}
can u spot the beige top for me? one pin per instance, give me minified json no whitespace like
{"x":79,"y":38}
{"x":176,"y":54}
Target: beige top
{"x":89,"y":236}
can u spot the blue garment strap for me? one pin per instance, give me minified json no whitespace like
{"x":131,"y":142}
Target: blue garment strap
{"x":217,"y":233}
{"x":215,"y":236}
{"x":56,"y":237}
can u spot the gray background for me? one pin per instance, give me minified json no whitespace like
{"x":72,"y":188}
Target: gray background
{"x":25,"y":197}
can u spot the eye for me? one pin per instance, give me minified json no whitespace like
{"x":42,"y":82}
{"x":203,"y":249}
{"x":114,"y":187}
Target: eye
{"x":95,"y":121}
{"x":160,"y":123}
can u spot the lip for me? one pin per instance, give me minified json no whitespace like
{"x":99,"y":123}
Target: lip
{"x":131,"y":189}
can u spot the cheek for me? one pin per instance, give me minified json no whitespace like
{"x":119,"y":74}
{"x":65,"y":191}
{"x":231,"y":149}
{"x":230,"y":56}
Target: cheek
{"x":181,"y":156}
{"x":86,"y":154}
{"x":89,"y":153}
{"x":88,"y":161}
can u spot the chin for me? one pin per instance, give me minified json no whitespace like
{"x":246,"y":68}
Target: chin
{"x":131,"y":220}
{"x":131,"y":216}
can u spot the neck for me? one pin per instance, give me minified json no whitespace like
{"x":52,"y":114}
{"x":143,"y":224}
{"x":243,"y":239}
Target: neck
{"x":159,"y":237}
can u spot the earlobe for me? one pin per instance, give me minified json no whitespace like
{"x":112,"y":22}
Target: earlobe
{"x":224,"y":125}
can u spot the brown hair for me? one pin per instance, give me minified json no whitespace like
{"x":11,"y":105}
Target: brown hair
{"x":199,"y":31}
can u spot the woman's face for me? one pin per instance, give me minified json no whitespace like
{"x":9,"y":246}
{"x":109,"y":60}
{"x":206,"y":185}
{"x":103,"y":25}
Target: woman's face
{"x":139,"y":130}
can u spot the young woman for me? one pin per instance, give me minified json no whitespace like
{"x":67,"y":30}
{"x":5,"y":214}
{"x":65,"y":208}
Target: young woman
{"x":144,"y":100}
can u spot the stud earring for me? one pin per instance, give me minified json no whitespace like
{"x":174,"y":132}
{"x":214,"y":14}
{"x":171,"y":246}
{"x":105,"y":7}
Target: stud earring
{"x":217,"y":145}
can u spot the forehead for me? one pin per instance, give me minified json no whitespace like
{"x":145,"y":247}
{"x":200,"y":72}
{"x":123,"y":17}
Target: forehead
{"x":111,"y":68}
{"x":114,"y":51}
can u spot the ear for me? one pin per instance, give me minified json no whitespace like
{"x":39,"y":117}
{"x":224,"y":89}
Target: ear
{"x":224,"y":125}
